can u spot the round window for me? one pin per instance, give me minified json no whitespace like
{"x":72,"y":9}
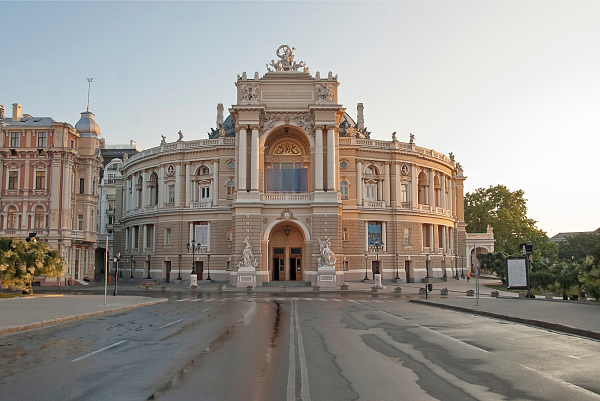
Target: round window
{"x":231,"y":164}
{"x":344,"y":164}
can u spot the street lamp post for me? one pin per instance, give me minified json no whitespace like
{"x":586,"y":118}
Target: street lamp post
{"x":445,"y":275}
{"x":117,"y":269}
{"x":149,"y":266}
{"x":208,"y":263}
{"x":366,"y":263}
{"x":462,"y":267}
{"x":131,"y":275}
{"x":193,"y":277}
{"x":397,"y":273}
{"x":179,"y":275}
{"x":376,"y":247}
{"x":427,"y":266}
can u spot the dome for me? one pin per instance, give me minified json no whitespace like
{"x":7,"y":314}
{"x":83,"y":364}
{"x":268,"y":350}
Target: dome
{"x":348,"y":119}
{"x":86,"y":126}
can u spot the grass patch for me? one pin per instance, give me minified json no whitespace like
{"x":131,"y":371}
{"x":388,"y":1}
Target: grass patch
{"x":501,"y":288}
{"x":13,"y":295}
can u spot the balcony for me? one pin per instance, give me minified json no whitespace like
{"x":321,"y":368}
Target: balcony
{"x":201,"y":205}
{"x":374,"y":205}
{"x":286,"y":198}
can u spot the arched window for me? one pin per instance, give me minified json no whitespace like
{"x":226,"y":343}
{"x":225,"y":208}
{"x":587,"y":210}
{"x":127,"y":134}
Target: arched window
{"x":423,"y":184}
{"x":12,"y":218}
{"x":203,"y":170}
{"x":230,"y":189}
{"x":153,"y":185}
{"x":437,"y":199}
{"x":138,"y":190}
{"x":369,"y":170}
{"x":39,"y":217}
{"x":344,"y":189}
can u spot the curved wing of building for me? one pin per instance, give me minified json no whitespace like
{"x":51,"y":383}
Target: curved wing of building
{"x":288,"y":170}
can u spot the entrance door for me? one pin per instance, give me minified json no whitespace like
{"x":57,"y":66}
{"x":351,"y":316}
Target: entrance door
{"x":407,"y":270}
{"x":278,"y":264}
{"x":296,"y":264}
{"x":375,"y":267}
{"x":200,"y":270}
{"x":168,"y":268}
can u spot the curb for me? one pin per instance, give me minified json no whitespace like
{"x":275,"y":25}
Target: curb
{"x":59,"y":320}
{"x":531,"y":322}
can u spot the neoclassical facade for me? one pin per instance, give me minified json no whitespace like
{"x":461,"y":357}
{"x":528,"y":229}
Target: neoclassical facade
{"x":289,"y":167}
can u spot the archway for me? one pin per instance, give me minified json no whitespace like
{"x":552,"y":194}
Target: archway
{"x":287,"y":252}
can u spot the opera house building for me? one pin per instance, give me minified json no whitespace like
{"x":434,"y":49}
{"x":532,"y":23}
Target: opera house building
{"x":286,"y":169}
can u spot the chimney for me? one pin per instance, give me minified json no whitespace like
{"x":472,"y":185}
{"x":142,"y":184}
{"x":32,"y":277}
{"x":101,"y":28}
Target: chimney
{"x":1,"y":111}
{"x":360,"y":119}
{"x":219,"y":114}
{"x":16,"y":111}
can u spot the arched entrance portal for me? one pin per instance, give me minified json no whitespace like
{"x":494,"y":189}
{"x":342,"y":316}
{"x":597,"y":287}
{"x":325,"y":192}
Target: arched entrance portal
{"x":287,"y":253}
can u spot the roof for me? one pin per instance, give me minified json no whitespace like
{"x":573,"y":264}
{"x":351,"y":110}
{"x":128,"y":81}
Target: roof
{"x":28,"y":122}
{"x":566,"y":235}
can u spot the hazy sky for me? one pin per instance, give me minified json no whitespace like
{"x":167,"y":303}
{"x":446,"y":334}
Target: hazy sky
{"x":512,"y":88}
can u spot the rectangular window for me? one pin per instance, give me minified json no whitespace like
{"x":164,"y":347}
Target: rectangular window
{"x":82,"y":185}
{"x":41,"y":139}
{"x":72,"y":144}
{"x":171,"y":194}
{"x":276,"y":166}
{"x":228,"y":265}
{"x":205,"y":193}
{"x":167,"y":236}
{"x":288,"y":179}
{"x":346,"y":268}
{"x":150,"y":236}
{"x":374,"y":231}
{"x":80,"y":222}
{"x":345,"y":234}
{"x":404,"y":193}
{"x":229,"y":233}
{"x":14,"y":139}
{"x":110,"y":219}
{"x":13,"y":180}
{"x":230,"y":189}
{"x":40,"y":180}
{"x":407,"y":236}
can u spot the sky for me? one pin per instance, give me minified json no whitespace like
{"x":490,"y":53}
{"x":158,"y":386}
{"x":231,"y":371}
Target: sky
{"x":511,"y":88}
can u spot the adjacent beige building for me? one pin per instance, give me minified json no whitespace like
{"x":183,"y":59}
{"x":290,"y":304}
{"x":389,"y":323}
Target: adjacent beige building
{"x":48,"y":187}
{"x":288,"y":167}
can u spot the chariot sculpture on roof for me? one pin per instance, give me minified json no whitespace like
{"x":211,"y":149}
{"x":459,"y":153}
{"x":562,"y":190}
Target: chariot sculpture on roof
{"x":286,"y":60}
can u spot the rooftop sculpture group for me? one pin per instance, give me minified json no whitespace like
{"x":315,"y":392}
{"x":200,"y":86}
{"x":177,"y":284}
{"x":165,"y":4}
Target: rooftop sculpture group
{"x":286,"y":61}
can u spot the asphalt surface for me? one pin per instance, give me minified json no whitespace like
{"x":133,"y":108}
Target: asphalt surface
{"x":321,"y":347}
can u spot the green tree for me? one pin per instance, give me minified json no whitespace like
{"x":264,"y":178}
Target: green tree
{"x":578,"y":246}
{"x":566,"y":275}
{"x":506,"y":212}
{"x":590,"y":273}
{"x":21,"y":262}
{"x":494,"y":263}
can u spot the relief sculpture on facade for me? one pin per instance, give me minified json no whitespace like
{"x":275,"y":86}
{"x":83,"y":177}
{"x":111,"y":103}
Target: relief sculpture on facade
{"x":249,"y":94}
{"x":305,"y":122}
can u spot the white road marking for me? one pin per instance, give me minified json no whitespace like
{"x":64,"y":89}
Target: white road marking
{"x":294,"y":299}
{"x":308,"y":299}
{"x":378,"y":301}
{"x":333,"y":299}
{"x":564,"y":383}
{"x":183,"y":300}
{"x":291,"y":384}
{"x":580,"y":357}
{"x":206,"y":310}
{"x":197,"y":300}
{"x":209,"y":300}
{"x":437,"y":332}
{"x":95,"y":352}
{"x":168,"y":324}
{"x":281,"y":299}
{"x":322,"y":299}
{"x":304,"y":389}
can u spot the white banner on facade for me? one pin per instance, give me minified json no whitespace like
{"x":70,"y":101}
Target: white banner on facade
{"x":201,"y":235}
{"x":516,"y":273}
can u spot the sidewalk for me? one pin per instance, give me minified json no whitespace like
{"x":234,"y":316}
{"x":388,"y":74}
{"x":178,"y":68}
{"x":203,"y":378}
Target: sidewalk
{"x":25,"y":313}
{"x":573,"y":317}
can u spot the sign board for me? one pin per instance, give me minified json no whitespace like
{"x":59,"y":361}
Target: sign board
{"x":201,"y":234}
{"x":516,"y":273}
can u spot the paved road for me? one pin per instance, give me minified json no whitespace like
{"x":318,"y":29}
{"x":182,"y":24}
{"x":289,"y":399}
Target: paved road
{"x":326,"y":347}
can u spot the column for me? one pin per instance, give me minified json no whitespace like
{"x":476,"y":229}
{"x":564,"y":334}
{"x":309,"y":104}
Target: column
{"x":177,"y":184}
{"x":366,"y":236}
{"x":331,"y":160}
{"x":144,"y":189}
{"x":319,"y":159}
{"x":153,"y":237}
{"x":431,"y":191}
{"x":451,"y":196}
{"x":445,"y":230}
{"x":384,"y":235}
{"x":188,"y":185}
{"x":145,"y":238}
{"x":432,"y":237}
{"x":359,"y":184}
{"x":191,"y":236}
{"x":414,"y":187}
{"x":397,"y":195}
{"x":126,"y":239}
{"x":215,"y":194}
{"x":254,"y":159}
{"x":242,"y":158}
{"x":443,"y":191}
{"x":161,"y":188}
{"x":208,"y":238}
{"x":386,"y":184}
{"x":132,"y":230}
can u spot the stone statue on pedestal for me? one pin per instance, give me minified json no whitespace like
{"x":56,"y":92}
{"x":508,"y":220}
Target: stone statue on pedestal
{"x":248,"y":260}
{"x":327,"y":257}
